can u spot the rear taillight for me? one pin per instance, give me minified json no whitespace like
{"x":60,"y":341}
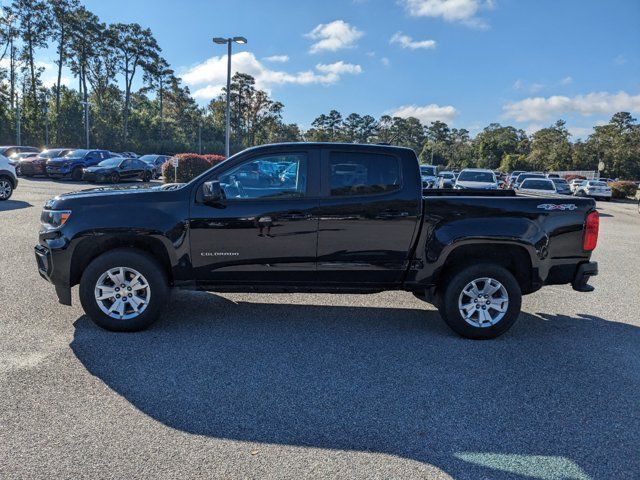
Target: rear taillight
{"x":591,"y":227}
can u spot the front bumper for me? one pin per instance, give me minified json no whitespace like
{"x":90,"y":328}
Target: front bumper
{"x":58,"y":171}
{"x":585,"y":271}
{"x":45,"y":262}
{"x":29,"y":168}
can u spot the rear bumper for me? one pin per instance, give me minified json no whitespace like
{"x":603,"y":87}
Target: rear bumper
{"x":583,"y":273}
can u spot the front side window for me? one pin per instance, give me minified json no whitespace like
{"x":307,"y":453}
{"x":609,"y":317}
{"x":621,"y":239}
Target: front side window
{"x":274,"y":176}
{"x":363,"y":174}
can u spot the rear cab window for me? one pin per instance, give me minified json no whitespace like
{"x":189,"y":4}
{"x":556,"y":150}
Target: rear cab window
{"x":363,"y":173}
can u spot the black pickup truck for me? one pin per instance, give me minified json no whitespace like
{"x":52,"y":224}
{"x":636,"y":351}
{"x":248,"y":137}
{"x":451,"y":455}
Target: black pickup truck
{"x":315,"y":217}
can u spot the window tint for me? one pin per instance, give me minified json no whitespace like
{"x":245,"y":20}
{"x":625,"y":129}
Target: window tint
{"x":363,"y":173}
{"x":275,"y":176}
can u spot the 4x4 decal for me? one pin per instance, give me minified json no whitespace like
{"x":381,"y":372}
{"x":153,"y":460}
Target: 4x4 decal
{"x":557,"y":206}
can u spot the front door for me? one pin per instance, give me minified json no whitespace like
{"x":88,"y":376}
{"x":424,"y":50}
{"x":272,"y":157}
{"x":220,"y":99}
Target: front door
{"x":265,"y":229}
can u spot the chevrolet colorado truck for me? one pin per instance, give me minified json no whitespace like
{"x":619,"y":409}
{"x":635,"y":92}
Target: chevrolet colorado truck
{"x":344,"y":218}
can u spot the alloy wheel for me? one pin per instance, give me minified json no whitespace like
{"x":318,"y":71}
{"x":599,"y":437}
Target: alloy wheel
{"x":5,"y":189}
{"x":122,"y":293}
{"x":483,"y":302}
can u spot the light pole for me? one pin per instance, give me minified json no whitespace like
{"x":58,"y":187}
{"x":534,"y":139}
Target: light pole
{"x":228,"y":41}
{"x":86,"y":120}
{"x":18,"y":122}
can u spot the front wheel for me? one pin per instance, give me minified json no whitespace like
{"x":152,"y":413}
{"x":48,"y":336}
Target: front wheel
{"x":76,"y":174}
{"x":481,"y":301}
{"x":146,"y":176}
{"x":123,"y":290}
{"x":115,"y":177}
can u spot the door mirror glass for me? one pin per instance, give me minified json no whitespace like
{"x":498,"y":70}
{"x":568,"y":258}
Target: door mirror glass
{"x":211,"y":192}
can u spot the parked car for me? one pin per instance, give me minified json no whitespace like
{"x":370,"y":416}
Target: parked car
{"x":10,"y":151}
{"x":595,"y":189}
{"x":511,"y":178}
{"x":129,"y":155}
{"x":575,"y":183}
{"x":552,"y":175}
{"x":116,"y":169}
{"x":562,"y":186}
{"x":523,"y":176}
{"x":476,"y":178}
{"x":156,"y":161}
{"x":73,"y":163}
{"x":429,"y":175}
{"x":37,"y":165}
{"x":474,"y":259}
{"x":446,"y":179}
{"x":537,"y":185}
{"x":8,"y":178}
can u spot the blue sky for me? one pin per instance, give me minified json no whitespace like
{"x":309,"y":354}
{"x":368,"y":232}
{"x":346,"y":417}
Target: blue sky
{"x":467,"y":62}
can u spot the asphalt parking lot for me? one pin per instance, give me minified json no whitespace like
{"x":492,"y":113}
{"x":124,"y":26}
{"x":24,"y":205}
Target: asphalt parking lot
{"x":319,"y":386}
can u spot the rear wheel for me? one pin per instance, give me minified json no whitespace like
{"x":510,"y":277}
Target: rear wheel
{"x":481,"y":301}
{"x":146,"y":176}
{"x":115,"y":178}
{"x":123,"y":290}
{"x":6,"y":188}
{"x":76,"y":174}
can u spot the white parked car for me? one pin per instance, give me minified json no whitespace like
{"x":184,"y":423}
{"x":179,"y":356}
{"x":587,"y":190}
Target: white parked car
{"x":594,"y":188}
{"x":8,"y":178}
{"x":429,"y":173}
{"x":476,"y":178}
{"x":538,"y":185}
{"x":575,"y":183}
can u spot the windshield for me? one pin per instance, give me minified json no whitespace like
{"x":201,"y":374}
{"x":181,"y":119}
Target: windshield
{"x":538,"y":184}
{"x":427,"y":170}
{"x":76,"y":154}
{"x":446,"y":175}
{"x":470,"y":176}
{"x":559,"y":181}
{"x":111,"y":162}
{"x":598,"y":184}
{"x":148,"y":158}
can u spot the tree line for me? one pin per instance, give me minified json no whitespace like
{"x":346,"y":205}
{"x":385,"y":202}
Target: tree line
{"x":137,"y":102}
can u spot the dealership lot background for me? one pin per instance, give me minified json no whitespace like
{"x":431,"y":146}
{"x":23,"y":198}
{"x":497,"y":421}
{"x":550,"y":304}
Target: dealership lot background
{"x":290,"y":386}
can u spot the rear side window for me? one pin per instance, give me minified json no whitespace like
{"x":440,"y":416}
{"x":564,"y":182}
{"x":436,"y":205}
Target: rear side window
{"x":354,"y":173}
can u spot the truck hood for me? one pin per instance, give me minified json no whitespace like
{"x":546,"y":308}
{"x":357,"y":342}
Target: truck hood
{"x":116,"y":192}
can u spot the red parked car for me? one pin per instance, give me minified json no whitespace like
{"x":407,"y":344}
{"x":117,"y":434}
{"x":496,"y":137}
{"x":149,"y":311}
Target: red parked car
{"x":31,"y":166}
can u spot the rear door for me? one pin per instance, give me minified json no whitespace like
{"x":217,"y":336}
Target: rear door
{"x":368,"y":215}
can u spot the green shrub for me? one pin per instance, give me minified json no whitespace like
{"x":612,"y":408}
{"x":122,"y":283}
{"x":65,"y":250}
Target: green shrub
{"x":623,"y":189}
{"x":190,"y":165}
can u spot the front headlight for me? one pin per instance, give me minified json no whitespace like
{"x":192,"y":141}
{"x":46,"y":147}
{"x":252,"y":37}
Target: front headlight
{"x":54,"y":218}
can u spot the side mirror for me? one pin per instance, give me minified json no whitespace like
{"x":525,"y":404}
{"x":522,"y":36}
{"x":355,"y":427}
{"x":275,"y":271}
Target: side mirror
{"x":212,"y":192}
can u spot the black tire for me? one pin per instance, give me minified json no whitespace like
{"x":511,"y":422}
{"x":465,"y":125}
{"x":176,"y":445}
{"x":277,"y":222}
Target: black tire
{"x":448,"y":301}
{"x":76,"y":174}
{"x":115,"y":177}
{"x":129,"y":258}
{"x":146,"y":176}
{"x":6,"y":188}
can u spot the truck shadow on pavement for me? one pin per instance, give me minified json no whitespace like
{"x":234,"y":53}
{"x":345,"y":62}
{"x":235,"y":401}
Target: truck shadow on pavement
{"x":9,"y":205}
{"x":556,"y":397}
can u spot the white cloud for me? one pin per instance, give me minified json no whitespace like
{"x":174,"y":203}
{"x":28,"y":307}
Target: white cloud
{"x":462,"y":11}
{"x":210,"y":76}
{"x":333,"y":36}
{"x":277,"y":58}
{"x":566,"y":80}
{"x":406,"y":41}
{"x":620,"y":60}
{"x":529,"y":87}
{"x":339,"y":68}
{"x":595,"y":103}
{"x":49,"y":75}
{"x":427,"y":113}
{"x":385,"y":61}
